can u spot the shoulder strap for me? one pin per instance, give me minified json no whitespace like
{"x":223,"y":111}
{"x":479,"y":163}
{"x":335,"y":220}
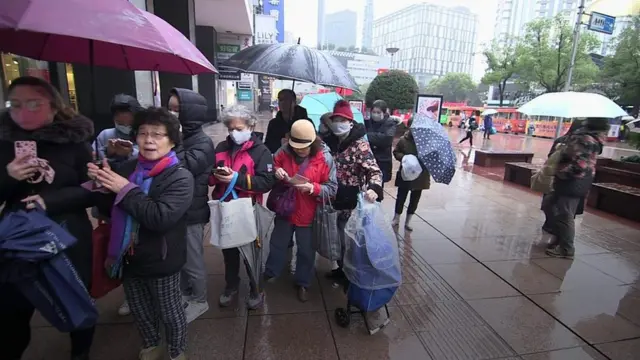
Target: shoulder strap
{"x":230,"y":188}
{"x":303,"y":166}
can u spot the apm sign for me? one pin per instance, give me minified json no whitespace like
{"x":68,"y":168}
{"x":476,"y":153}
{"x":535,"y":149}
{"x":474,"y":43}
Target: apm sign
{"x":601,"y":23}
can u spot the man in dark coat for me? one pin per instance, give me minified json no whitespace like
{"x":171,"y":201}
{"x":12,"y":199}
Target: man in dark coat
{"x":280,"y":126}
{"x":197,"y":154}
{"x":381,"y":129}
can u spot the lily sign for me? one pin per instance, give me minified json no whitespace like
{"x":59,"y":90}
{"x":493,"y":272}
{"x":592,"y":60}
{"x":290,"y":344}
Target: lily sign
{"x":601,"y":23}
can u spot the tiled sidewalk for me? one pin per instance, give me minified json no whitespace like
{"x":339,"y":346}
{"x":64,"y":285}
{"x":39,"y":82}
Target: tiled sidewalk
{"x":477,"y":285}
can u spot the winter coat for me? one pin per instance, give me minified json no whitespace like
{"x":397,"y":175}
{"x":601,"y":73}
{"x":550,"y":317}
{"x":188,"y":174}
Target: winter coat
{"x":161,"y":250}
{"x":254,"y":164}
{"x":380,"y":135}
{"x":321,"y":172}
{"x":356,"y":167}
{"x":197,"y":152}
{"x":406,"y":146}
{"x":278,"y":128}
{"x":542,"y":180}
{"x":577,"y":165}
{"x":66,"y":147}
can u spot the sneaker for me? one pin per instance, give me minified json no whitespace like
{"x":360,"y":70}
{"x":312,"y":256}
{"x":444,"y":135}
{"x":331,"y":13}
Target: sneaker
{"x":559,"y":252}
{"x":152,"y":353}
{"x":255,"y":301}
{"x":227,"y":297}
{"x":195,"y":309}
{"x":124,"y":309}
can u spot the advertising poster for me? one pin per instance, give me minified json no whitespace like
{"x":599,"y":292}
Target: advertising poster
{"x":547,"y":129}
{"x":429,"y":105}
{"x":358,"y":104}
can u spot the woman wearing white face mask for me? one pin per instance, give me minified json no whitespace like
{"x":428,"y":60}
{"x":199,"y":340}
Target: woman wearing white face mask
{"x":243,"y":153}
{"x":381,"y":129}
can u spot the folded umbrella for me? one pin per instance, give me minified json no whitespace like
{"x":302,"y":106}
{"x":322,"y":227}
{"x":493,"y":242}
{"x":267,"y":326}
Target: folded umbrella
{"x":255,"y":253}
{"x":434,"y":148}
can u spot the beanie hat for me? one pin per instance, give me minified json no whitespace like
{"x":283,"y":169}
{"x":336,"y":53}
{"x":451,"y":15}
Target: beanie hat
{"x":303,"y":134}
{"x":342,"y":108}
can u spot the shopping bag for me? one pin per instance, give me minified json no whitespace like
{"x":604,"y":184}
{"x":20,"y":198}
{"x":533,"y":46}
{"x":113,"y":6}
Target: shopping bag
{"x":282,"y":200}
{"x":101,"y":283}
{"x":325,"y":238}
{"x":411,"y":167}
{"x":233,"y":223}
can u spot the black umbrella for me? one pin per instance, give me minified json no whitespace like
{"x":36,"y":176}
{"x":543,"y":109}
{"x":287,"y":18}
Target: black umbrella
{"x":293,"y":62}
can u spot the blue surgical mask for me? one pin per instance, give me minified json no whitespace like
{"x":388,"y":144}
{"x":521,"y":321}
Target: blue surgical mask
{"x":125,"y":129}
{"x":240,"y":136}
{"x":341,"y":128}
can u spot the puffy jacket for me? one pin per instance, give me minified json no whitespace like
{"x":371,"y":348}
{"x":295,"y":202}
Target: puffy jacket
{"x":407,"y":146}
{"x":197,"y":152}
{"x":380,"y":135}
{"x":577,"y":165}
{"x":254,"y":164}
{"x":321,"y":172}
{"x":278,"y":128}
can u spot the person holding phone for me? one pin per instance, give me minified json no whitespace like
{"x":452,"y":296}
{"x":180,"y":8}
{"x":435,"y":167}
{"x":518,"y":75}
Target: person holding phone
{"x":243,"y":153}
{"x":307,"y":166}
{"x":44,"y":151}
{"x":116,"y":144}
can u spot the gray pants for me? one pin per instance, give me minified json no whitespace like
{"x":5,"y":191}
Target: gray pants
{"x":194,"y":273}
{"x":281,"y":236}
{"x":560,"y":212}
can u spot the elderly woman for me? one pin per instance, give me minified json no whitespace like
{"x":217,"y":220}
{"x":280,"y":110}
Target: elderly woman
{"x":302,"y":164}
{"x":43,"y":151}
{"x":149,"y":197}
{"x":243,"y":153}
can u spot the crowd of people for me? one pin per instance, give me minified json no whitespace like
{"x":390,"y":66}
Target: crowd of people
{"x":149,"y":178}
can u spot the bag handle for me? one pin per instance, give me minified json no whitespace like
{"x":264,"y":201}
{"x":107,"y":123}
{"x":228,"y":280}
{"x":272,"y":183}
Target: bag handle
{"x":230,"y":188}
{"x":325,"y":199}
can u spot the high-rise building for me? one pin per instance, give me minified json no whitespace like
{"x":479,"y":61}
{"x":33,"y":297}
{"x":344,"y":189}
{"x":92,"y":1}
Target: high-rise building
{"x":433,"y":40}
{"x":362,"y":67}
{"x":367,"y":25}
{"x":512,"y":16}
{"x":551,"y":8}
{"x":321,"y":24}
{"x":340,"y":28}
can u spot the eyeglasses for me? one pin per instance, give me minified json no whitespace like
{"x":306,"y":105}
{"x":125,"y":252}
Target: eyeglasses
{"x":31,"y":105}
{"x":154,"y":135}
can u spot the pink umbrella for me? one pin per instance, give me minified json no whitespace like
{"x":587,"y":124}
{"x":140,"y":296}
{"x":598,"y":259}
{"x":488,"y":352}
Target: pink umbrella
{"x":110,"y":33}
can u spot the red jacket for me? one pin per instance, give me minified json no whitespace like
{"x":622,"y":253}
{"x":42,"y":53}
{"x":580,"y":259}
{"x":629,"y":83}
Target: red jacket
{"x":320,"y":171}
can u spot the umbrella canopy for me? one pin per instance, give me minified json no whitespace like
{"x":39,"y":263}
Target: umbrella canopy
{"x":320,"y":104}
{"x":292,"y":62}
{"x":434,"y":148}
{"x":110,"y":33}
{"x":489,"y":112}
{"x":572,"y":105}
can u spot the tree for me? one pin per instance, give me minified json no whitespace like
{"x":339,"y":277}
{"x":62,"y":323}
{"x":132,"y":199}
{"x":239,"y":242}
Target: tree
{"x":397,"y":88}
{"x":546,"y":55}
{"x":622,"y":70}
{"x":454,"y":87}
{"x":341,"y":48}
{"x":503,"y":59}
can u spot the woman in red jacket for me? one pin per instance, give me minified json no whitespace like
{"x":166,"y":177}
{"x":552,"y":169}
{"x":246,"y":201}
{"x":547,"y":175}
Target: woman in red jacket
{"x":305,"y":165}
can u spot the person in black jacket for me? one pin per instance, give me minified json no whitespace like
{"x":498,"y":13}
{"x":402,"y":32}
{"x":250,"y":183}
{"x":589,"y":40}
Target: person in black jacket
{"x":38,"y":114}
{"x":280,"y":126}
{"x":197,"y":154}
{"x":381,"y":129}
{"x":149,"y":199}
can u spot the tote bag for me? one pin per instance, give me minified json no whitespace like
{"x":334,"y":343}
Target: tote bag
{"x":325,"y":238}
{"x":233,"y":223}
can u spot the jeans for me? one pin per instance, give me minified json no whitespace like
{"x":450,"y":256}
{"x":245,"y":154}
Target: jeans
{"x":194,"y":274}
{"x":281,"y":236}
{"x":561,"y":211}
{"x":401,"y":198}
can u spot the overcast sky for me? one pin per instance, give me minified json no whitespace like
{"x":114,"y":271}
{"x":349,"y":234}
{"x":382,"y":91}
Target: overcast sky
{"x":301,"y":18}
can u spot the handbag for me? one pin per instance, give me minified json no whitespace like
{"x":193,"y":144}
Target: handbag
{"x":282,"y":199}
{"x":233,"y":223}
{"x":325,"y":239}
{"x":101,"y":283}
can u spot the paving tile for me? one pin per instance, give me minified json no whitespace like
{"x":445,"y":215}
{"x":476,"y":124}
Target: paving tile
{"x":474,"y":281}
{"x":580,"y":353}
{"x":220,"y":339}
{"x":422,"y":231}
{"x":290,"y":336}
{"x":524,"y":326}
{"x":281,"y":298}
{"x":502,"y":248}
{"x":215,"y":287}
{"x":469,"y":343}
{"x":618,"y":266}
{"x":395,"y":341}
{"x":629,"y":306}
{"x":441,"y":316}
{"x":526,"y":276}
{"x":591,"y":312}
{"x":606,"y":240}
{"x":576,"y":274}
{"x":424,"y":293}
{"x":441,"y":252}
{"x":621,"y":350}
{"x":214,"y":261}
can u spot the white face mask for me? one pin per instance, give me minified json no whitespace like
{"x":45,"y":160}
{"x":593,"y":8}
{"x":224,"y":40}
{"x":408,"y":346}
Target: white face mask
{"x":376,"y":117}
{"x":341,"y":128}
{"x":175,"y":113}
{"x":125,"y":129}
{"x":240,"y":137}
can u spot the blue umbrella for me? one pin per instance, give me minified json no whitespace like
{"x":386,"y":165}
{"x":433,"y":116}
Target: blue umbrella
{"x":320,"y":104}
{"x":434,"y":148}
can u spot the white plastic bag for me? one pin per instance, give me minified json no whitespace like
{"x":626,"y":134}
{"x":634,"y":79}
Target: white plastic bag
{"x":411,"y":168}
{"x":233,"y":223}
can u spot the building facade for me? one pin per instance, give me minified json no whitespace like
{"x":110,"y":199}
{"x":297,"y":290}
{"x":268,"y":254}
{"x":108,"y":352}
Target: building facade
{"x":433,"y":40}
{"x":363,"y":68}
{"x":340,"y":28}
{"x":321,"y":24}
{"x":367,"y":25}
{"x":512,"y":16}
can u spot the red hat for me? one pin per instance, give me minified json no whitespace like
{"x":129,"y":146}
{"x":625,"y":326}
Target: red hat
{"x":343,"y":108}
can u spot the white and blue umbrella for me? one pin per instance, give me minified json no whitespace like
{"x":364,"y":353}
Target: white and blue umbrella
{"x":435,"y":151}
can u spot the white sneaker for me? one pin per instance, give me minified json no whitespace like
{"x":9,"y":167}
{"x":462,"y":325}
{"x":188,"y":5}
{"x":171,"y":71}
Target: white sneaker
{"x":124,"y":309}
{"x":195,"y":309}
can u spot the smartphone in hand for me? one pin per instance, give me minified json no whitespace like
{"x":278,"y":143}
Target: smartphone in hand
{"x":298,"y":180}
{"x":222,"y":170}
{"x":26,"y":149}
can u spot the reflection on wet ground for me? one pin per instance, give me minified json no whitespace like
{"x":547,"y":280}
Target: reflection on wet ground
{"x":477,"y":285}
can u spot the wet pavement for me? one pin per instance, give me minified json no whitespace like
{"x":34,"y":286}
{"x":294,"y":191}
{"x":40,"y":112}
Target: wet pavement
{"x":476,"y":285}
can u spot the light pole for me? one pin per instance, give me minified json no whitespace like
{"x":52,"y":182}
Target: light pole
{"x":572,"y":62}
{"x":392,"y":51}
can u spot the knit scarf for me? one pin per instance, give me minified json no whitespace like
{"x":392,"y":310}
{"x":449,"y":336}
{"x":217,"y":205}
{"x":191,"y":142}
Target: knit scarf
{"x":124,"y":228}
